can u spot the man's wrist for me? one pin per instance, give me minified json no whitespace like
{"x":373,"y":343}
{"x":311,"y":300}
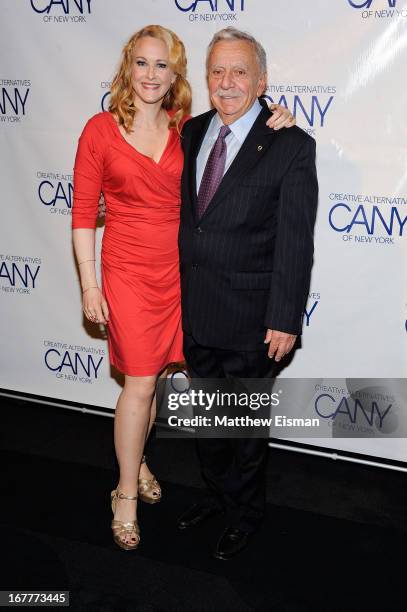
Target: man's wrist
{"x":284,"y":328}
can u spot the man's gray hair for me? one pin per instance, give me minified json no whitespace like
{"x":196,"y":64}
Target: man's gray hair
{"x":235,"y":34}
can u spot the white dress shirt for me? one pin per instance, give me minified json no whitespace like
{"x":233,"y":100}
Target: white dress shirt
{"x":239,"y":130}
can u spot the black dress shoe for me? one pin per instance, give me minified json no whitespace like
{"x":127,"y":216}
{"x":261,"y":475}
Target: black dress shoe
{"x":231,"y":542}
{"x":196,"y":515}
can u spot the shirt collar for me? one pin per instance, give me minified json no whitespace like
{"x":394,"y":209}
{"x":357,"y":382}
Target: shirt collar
{"x":241,"y":127}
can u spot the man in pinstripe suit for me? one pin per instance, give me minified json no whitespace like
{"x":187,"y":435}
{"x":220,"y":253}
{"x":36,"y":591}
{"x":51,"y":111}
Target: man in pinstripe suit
{"x":249,"y":198}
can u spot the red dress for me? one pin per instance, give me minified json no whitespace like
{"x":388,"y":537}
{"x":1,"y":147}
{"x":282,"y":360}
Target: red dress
{"x":140,"y":265}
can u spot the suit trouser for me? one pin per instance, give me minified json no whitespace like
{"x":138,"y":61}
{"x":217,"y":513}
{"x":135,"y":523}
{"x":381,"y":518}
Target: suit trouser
{"x":232,"y":468}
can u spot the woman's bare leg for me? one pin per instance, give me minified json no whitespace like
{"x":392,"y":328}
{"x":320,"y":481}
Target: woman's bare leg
{"x":131,"y":425}
{"x":144,"y":470}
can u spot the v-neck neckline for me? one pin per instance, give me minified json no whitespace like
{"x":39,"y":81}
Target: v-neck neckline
{"x":157,"y":163}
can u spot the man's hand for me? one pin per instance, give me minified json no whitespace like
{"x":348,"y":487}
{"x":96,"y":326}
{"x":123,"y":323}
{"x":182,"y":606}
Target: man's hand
{"x":281,"y":117}
{"x":280,"y":343}
{"x":102,"y":206}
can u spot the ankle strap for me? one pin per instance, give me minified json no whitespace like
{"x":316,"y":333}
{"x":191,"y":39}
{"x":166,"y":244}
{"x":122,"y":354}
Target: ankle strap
{"x":123,"y":496}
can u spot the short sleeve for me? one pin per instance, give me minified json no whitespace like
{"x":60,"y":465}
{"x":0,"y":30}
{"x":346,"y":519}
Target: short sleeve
{"x":88,"y":175}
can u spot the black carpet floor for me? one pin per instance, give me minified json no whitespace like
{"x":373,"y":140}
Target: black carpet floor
{"x":334,"y":538}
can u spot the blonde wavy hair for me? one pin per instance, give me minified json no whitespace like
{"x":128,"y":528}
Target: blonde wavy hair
{"x":178,"y":97}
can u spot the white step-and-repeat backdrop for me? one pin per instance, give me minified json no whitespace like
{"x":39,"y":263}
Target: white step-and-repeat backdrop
{"x":339,"y":65}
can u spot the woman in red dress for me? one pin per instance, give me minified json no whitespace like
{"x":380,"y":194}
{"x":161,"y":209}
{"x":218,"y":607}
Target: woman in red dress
{"x":133,"y":154}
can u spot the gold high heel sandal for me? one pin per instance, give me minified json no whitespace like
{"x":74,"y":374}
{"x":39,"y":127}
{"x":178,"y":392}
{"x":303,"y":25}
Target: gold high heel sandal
{"x":121,"y":528}
{"x":149,"y":490}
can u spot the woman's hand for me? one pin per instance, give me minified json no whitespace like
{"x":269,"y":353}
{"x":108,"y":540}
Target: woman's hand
{"x":95,"y":306}
{"x":281,"y":117}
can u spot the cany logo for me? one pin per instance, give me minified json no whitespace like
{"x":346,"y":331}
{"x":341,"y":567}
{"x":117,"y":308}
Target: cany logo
{"x":55,"y":191}
{"x":353,"y":410}
{"x":18,"y":274}
{"x":13,"y":99}
{"x":378,"y":9}
{"x":71,"y":362}
{"x":313,"y":301}
{"x":104,"y":102}
{"x":308,"y":103}
{"x":377,"y":220}
{"x":212,"y":5}
{"x":368,"y":3}
{"x":62,"y":11}
{"x":211,"y":10}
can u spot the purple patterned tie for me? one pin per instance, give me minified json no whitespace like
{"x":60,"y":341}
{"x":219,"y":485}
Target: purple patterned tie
{"x":214,"y":169}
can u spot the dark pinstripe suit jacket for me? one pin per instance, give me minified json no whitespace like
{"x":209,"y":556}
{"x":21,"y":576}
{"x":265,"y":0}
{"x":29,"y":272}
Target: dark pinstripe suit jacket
{"x":246,"y":264}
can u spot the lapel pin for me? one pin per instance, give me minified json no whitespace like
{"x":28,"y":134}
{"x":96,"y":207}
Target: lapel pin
{"x":259,"y":148}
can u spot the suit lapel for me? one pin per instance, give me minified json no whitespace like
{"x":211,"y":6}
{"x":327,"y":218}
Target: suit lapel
{"x":255,"y":145}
